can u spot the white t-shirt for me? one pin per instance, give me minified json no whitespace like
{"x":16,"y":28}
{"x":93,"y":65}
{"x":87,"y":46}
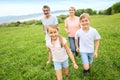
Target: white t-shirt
{"x":45,"y":22}
{"x":86,"y":39}
{"x":59,"y":53}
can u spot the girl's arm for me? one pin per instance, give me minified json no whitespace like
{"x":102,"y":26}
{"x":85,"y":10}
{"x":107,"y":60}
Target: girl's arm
{"x":49,"y":57}
{"x":96,"y":48}
{"x":71,"y":56}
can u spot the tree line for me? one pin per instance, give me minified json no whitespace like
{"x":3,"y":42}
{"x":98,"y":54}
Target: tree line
{"x":115,"y":8}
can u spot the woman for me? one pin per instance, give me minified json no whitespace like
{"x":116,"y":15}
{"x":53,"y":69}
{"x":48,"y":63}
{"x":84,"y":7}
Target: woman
{"x":71,"y":27}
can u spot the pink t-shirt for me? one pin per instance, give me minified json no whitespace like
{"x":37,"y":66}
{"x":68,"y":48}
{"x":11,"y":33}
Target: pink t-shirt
{"x":59,"y":53}
{"x":72,"y":26}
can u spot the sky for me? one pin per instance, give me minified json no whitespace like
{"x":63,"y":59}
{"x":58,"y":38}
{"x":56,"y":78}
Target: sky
{"x":24,"y":7}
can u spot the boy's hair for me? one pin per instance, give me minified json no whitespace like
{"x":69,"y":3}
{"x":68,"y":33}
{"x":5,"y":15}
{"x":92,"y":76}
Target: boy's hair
{"x":45,"y":6}
{"x":84,"y":15}
{"x":56,"y":27}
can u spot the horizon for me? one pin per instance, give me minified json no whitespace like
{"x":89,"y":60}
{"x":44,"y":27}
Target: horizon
{"x":26,"y":7}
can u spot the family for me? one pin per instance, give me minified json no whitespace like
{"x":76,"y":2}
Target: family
{"x":83,"y":39}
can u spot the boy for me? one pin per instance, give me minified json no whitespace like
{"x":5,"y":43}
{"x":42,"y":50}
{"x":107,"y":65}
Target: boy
{"x":87,"y":35}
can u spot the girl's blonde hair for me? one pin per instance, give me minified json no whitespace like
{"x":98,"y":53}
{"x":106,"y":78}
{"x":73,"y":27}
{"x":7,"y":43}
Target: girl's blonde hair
{"x":56,"y":27}
{"x":84,"y":15}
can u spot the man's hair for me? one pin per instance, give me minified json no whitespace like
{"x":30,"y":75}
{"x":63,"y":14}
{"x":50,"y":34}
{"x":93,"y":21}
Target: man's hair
{"x":84,"y":15}
{"x":45,"y":6}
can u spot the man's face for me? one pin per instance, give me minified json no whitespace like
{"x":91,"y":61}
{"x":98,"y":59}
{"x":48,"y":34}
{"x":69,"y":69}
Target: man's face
{"x":46,"y":11}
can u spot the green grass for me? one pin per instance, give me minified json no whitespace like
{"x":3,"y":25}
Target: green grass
{"x":23,"y":53}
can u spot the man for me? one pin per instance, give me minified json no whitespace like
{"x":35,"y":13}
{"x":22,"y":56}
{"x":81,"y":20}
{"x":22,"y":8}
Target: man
{"x":47,"y":20}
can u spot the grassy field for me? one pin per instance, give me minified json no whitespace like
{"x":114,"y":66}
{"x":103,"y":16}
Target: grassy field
{"x":23,"y":53}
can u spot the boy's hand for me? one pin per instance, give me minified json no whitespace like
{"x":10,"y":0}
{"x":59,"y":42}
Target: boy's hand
{"x":95,"y":54}
{"x":75,"y":66}
{"x":48,"y":62}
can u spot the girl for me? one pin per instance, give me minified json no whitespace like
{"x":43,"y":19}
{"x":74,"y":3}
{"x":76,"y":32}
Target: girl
{"x":58,"y":50}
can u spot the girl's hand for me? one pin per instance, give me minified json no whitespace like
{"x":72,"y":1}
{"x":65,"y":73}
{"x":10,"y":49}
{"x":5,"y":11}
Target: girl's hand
{"x":75,"y":66}
{"x":48,"y":62}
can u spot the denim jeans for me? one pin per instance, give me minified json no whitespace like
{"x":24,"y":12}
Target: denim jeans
{"x":72,"y":45}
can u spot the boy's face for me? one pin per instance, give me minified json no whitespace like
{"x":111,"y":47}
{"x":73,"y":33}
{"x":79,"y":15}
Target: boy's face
{"x":53,"y":33}
{"x":85,"y":22}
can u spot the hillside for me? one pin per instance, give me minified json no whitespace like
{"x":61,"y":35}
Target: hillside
{"x":23,"y":53}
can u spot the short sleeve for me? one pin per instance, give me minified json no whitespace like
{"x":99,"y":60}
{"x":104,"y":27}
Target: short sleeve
{"x":64,"y":41}
{"x":76,"y":35}
{"x":47,"y":43}
{"x":97,"y":35}
{"x":56,"y":21}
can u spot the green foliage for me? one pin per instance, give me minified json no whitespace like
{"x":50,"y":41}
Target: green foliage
{"x":23,"y":53}
{"x":116,"y":8}
{"x":14,"y":24}
{"x":61,"y":18}
{"x":88,"y":10}
{"x":79,"y":12}
{"x":111,"y":10}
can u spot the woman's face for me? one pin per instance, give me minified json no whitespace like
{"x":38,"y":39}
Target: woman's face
{"x":53,"y":33}
{"x":71,"y":11}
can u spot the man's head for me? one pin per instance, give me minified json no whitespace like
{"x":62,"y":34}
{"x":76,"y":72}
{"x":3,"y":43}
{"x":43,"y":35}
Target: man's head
{"x":46,"y":10}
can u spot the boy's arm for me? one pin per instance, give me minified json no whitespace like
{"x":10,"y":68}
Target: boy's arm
{"x":49,"y":56}
{"x":71,"y":55}
{"x":96,"y":48}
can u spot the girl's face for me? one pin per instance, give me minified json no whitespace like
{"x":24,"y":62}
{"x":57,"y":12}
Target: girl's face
{"x":53,"y":33}
{"x":71,"y":11}
{"x":85,"y":22}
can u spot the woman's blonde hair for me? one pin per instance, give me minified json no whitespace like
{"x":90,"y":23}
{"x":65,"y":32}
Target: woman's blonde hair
{"x":56,"y":27}
{"x":72,"y":8}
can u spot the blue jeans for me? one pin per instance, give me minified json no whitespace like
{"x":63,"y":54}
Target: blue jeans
{"x":72,"y":45}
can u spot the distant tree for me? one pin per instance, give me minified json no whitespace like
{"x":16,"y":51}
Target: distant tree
{"x":108,"y":11}
{"x":100,"y":12}
{"x":94,"y":12}
{"x":116,"y":8}
{"x":79,"y":12}
{"x":89,"y":10}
